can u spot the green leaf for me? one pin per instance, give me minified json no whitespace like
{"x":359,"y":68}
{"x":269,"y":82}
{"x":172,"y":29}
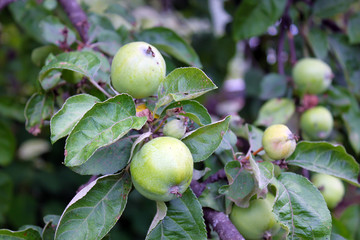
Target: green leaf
{"x":252,"y":18}
{"x":95,"y":209}
{"x":103,"y":33}
{"x":339,"y":98}
{"x":351,"y":119}
{"x":319,"y":43}
{"x":275,"y":111}
{"x":7,"y":144}
{"x":51,"y":218}
{"x":102,"y":125}
{"x":339,"y":227}
{"x":6,"y":189}
{"x":241,"y":184}
{"x":263,"y":172}
{"x":211,"y":198}
{"x":205,"y":140}
{"x":51,"y":80}
{"x":228,"y":142}
{"x":335,"y":236}
{"x":51,"y":31}
{"x":26,"y":234}
{"x":39,"y":107}
{"x":170,"y":42}
{"x":192,"y":109}
{"x":273,"y":85}
{"x":349,"y":58}
{"x":39,"y":23}
{"x":301,"y":208}
{"x":183,"y":84}
{"x":353,"y":31}
{"x":85,"y":63}
{"x":137,"y":142}
{"x":70,"y":113}
{"x":107,"y":160}
{"x":40,"y":54}
{"x":11,"y":107}
{"x":161,"y":210}
{"x":103,"y":74}
{"x":350,"y":217}
{"x":255,"y":135}
{"x":184,"y":220}
{"x":326,"y":158}
{"x":48,"y":232}
{"x":328,"y":8}
{"x":121,"y":11}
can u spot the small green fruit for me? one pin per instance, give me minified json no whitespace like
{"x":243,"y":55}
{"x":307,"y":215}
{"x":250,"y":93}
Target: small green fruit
{"x":162,"y":169}
{"x":312,"y":76}
{"x":316,"y":123}
{"x":278,"y":141}
{"x":254,"y":221}
{"x":175,"y":128}
{"x":138,"y":68}
{"x":330,"y":187}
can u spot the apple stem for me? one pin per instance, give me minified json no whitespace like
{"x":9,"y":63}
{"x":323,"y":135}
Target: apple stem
{"x":150,"y":51}
{"x":175,"y":190}
{"x":293,"y":137}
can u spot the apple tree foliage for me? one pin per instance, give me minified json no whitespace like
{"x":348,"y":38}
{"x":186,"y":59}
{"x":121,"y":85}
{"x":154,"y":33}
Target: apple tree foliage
{"x":55,"y":83}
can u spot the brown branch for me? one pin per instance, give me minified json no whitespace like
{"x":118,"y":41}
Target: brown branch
{"x":331,"y":25}
{"x":284,"y":26}
{"x":4,"y":3}
{"x":77,"y":16}
{"x":219,"y":221}
{"x":292,"y":48}
{"x":222,"y":225}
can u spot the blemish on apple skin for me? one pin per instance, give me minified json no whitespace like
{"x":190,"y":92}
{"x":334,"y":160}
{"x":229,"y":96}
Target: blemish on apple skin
{"x":150,"y":51}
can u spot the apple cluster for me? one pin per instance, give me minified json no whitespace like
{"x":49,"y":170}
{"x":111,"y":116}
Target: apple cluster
{"x":162,"y":169}
{"x":313,"y":76}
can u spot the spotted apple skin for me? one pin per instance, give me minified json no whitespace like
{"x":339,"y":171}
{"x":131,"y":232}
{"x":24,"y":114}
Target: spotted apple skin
{"x":138,"y":68}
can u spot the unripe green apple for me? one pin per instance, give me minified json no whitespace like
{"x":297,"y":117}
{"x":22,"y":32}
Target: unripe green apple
{"x":137,"y":68}
{"x":278,"y":141}
{"x":254,"y":221}
{"x":312,"y":76}
{"x":330,"y":187}
{"x":175,"y":128}
{"x":316,"y":123}
{"x":162,"y":169}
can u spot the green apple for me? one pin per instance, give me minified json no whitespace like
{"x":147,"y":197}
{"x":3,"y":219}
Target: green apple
{"x":138,"y":68}
{"x":258,"y":218}
{"x":162,"y":169}
{"x":316,"y":123}
{"x":330,"y":187}
{"x":175,"y":128}
{"x":278,"y":141}
{"x":312,"y":76}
